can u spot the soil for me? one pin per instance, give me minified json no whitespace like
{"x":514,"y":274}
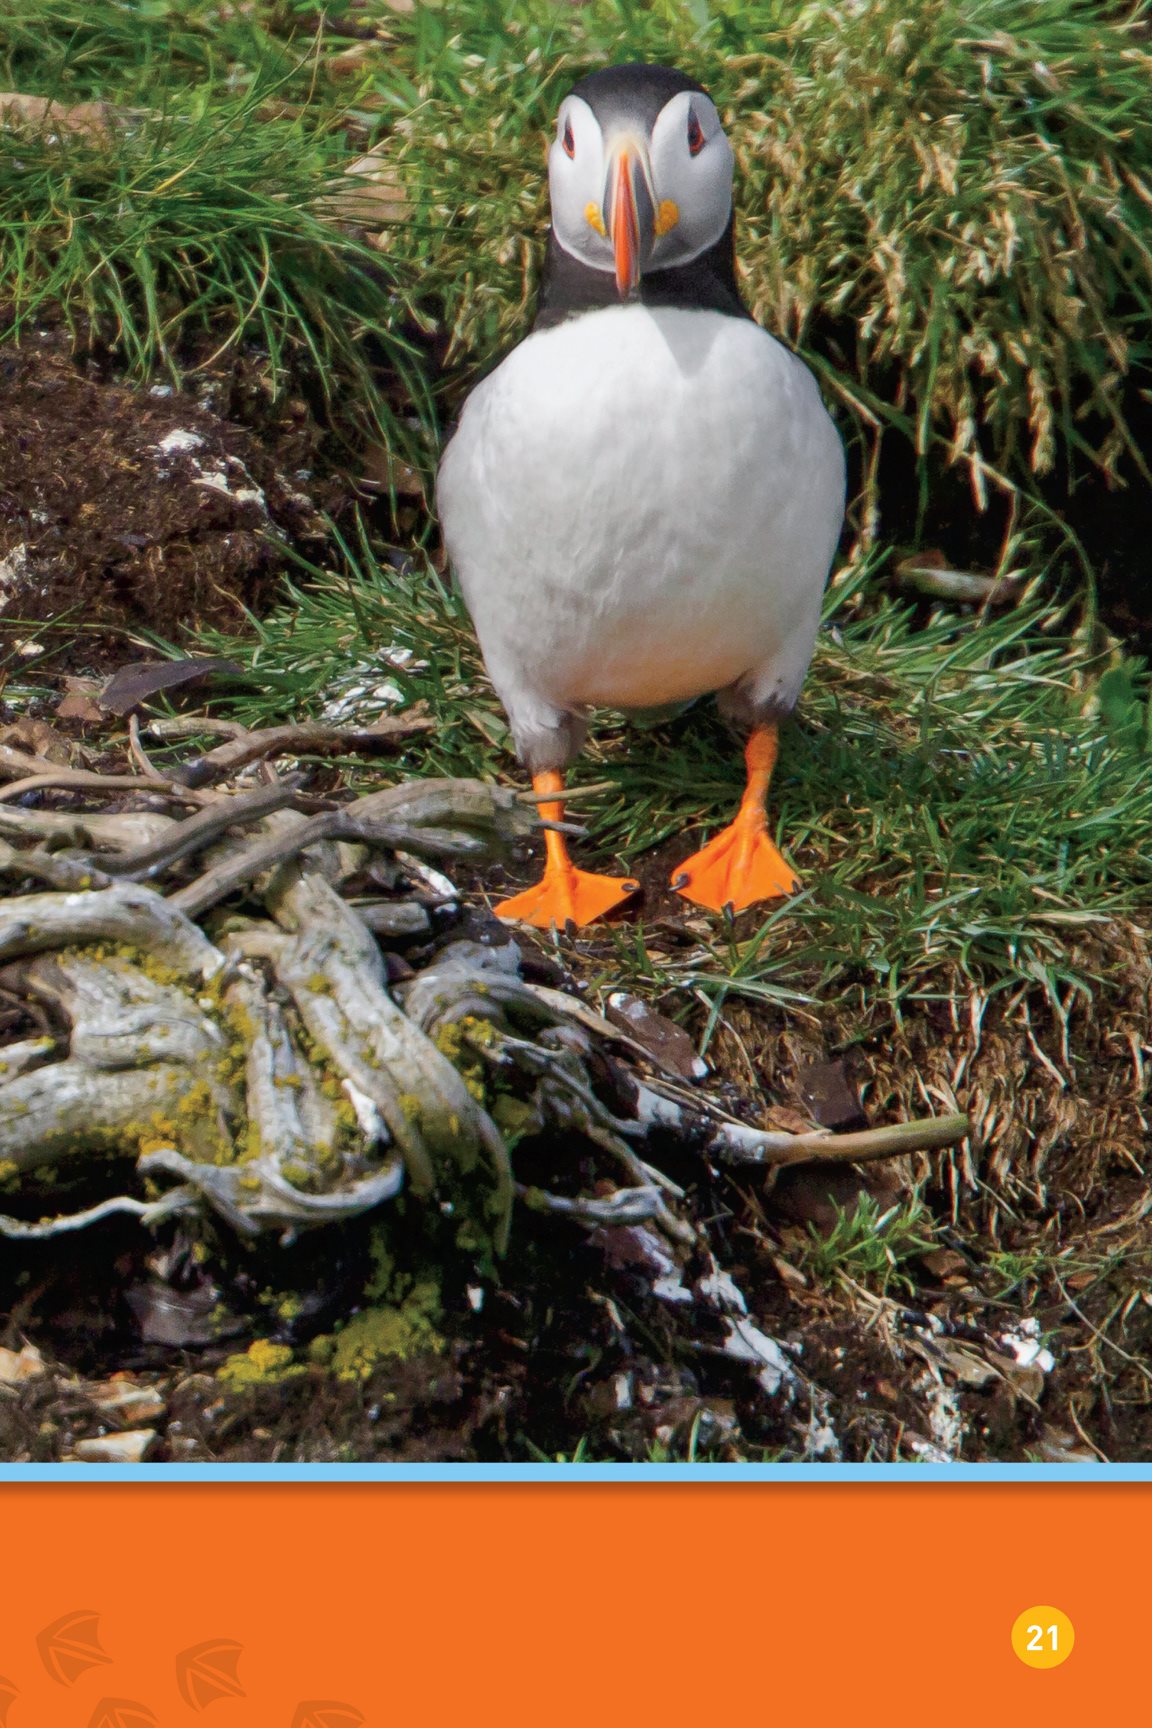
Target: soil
{"x":126,"y":510}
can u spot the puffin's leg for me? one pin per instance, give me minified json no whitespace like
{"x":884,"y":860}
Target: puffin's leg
{"x":741,"y":865}
{"x":565,"y":895}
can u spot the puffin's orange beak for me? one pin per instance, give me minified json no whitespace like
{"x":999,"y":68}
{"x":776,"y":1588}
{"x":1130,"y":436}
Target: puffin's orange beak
{"x":628,"y":205}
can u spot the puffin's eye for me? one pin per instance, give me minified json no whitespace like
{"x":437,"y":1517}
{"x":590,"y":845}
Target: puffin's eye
{"x":696,"y":138}
{"x":568,"y":142}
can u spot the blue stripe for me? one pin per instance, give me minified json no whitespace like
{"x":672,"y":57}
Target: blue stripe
{"x":575,"y":1473}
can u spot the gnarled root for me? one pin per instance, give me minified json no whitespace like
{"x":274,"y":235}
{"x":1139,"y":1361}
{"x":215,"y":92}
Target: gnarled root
{"x":334,"y":972}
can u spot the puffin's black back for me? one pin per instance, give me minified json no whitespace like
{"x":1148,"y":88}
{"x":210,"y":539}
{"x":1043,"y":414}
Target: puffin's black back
{"x":636,"y":93}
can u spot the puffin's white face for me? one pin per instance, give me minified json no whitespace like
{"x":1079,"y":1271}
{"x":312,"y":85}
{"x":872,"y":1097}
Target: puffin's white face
{"x":630,"y":203}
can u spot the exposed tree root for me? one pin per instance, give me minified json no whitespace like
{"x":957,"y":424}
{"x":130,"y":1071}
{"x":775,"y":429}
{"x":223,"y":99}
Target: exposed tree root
{"x":269,"y":1075}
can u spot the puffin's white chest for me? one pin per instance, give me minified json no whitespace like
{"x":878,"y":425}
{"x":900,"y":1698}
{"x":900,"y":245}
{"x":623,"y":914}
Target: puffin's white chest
{"x":641,"y":505}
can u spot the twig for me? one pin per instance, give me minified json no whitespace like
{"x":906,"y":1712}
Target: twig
{"x":193,"y":726}
{"x":277,"y":1201}
{"x":571,"y":795}
{"x":137,"y":751}
{"x":18,"y":762}
{"x":299,"y":740}
{"x":196,"y":832}
{"x":393,"y":918}
{"x":85,"y":828}
{"x":335,"y":974}
{"x":479,"y":819}
{"x":21,"y":1058}
{"x":54,"y":868}
{"x":81,"y":779}
{"x":263,"y":855}
{"x":148,"y":1211}
{"x":624,"y":1206}
{"x":739,"y":1145}
{"x":68,"y":1106}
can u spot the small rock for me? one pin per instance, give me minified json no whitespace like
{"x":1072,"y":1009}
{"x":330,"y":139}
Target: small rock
{"x":180,"y":443}
{"x":944,"y":1263}
{"x":17,"y":1366}
{"x":830,"y":1096}
{"x":669,"y":1045}
{"x":185,"y":1447}
{"x":79,"y":704}
{"x":787,"y":1273}
{"x":121,"y":1401}
{"x":130,"y":1447}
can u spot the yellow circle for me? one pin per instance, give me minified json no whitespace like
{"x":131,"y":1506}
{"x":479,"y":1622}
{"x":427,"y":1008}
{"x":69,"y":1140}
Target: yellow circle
{"x":1043,"y":1637}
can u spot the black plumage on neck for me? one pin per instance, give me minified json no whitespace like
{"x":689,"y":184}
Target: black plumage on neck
{"x":705,"y":284}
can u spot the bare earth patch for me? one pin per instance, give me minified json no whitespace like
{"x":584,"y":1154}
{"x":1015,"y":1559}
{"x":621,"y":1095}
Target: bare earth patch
{"x":124,"y":510}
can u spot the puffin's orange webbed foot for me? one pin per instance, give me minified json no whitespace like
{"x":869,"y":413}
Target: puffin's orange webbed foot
{"x":741,"y":865}
{"x":738,"y":868}
{"x":566,"y":895}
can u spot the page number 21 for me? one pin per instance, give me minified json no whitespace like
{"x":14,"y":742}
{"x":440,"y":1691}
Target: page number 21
{"x":1043,"y":1637}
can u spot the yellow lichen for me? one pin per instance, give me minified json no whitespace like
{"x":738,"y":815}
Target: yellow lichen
{"x":262,"y":1364}
{"x":377,"y":1334}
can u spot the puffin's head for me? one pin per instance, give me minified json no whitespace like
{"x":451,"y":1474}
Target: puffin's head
{"x":640,"y":172}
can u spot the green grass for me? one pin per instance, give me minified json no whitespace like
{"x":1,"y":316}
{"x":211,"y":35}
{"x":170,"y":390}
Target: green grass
{"x":871,"y":1244}
{"x":947,"y":208}
{"x":948,"y":211}
{"x":954,"y":795}
{"x":108,"y":51}
{"x":197,"y":228}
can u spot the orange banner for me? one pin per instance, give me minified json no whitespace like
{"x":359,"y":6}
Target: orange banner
{"x":267,"y":1606}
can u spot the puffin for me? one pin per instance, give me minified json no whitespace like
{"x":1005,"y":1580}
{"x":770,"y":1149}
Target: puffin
{"x":642,"y":501}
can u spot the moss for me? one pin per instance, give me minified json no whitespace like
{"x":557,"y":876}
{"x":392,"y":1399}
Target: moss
{"x":9,"y":1175}
{"x":398,"y":1332}
{"x":262,"y":1364}
{"x":514,"y":1117}
{"x":381,"y":1281}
